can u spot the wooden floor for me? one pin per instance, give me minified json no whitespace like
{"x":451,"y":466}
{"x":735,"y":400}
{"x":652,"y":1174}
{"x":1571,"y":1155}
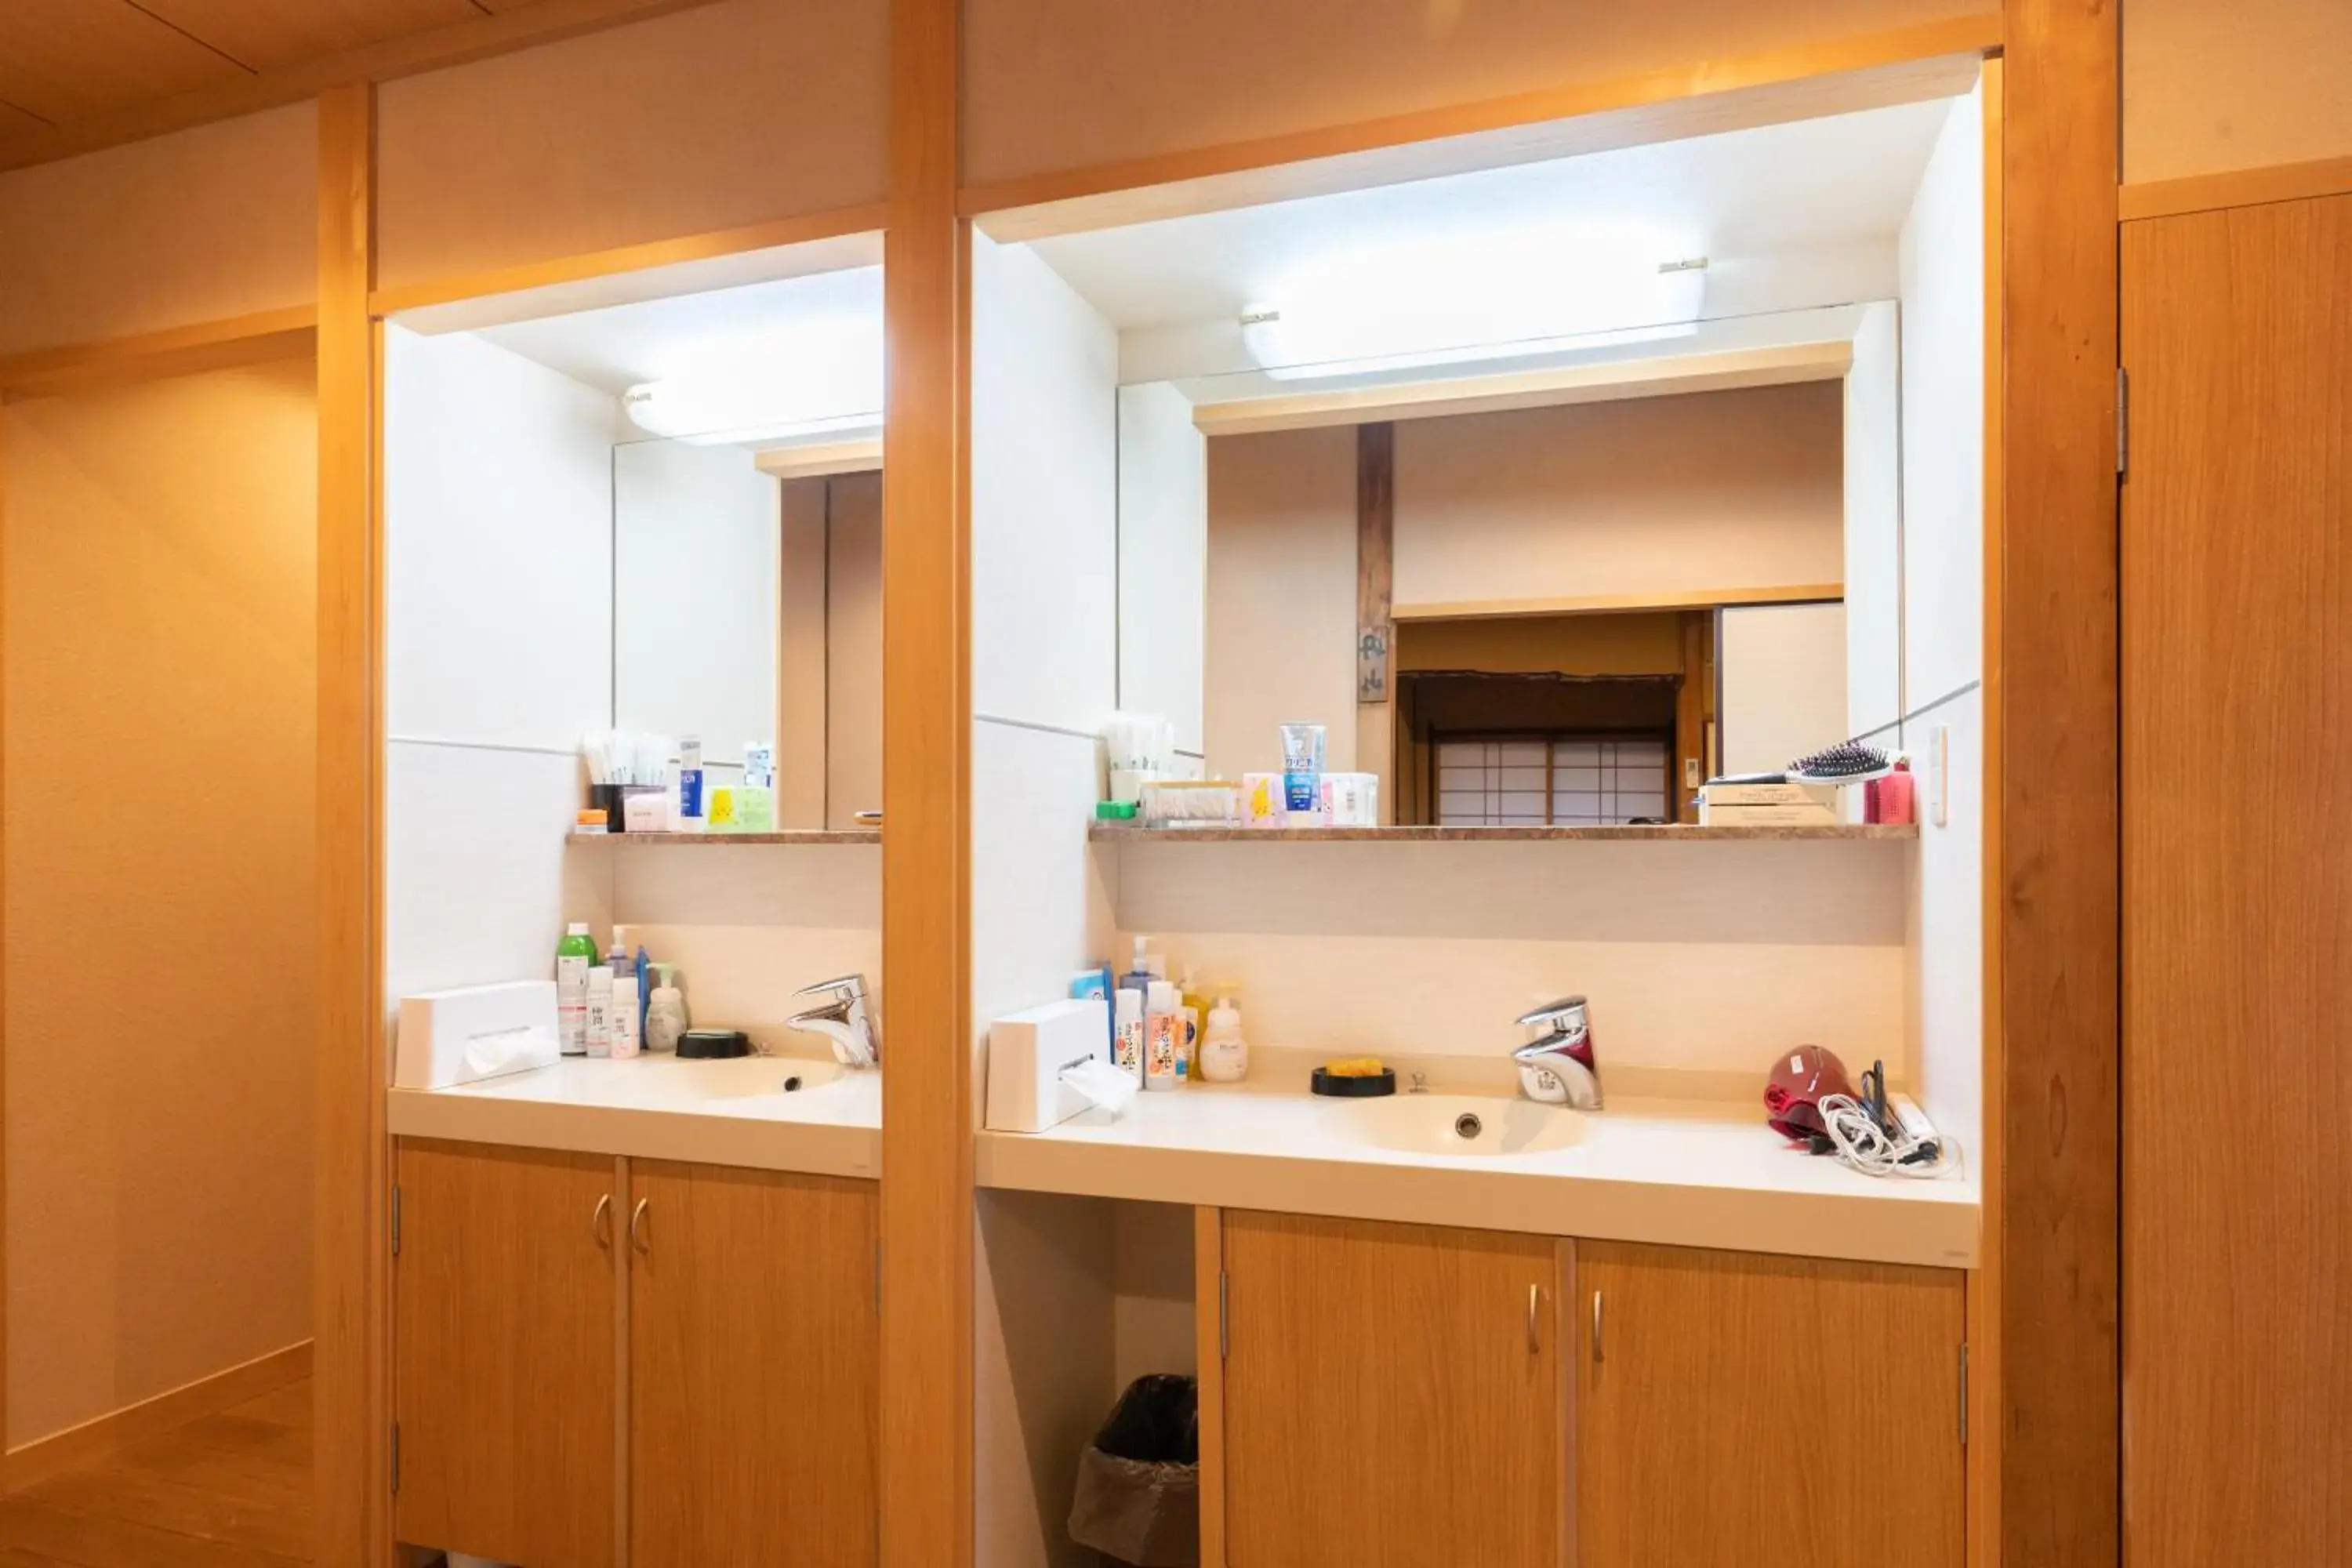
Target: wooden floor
{"x":231,"y":1491}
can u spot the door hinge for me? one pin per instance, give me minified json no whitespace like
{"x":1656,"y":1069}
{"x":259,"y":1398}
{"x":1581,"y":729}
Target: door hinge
{"x":395,"y":1219}
{"x":1964,"y":1397}
{"x":2123,"y":422}
{"x":396,"y":1458}
{"x":1223,"y":1345}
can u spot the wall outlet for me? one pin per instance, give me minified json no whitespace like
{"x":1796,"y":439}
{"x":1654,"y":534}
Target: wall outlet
{"x":1939,"y":775}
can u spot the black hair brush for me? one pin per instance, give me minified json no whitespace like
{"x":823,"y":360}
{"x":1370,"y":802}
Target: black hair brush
{"x":1850,"y":761}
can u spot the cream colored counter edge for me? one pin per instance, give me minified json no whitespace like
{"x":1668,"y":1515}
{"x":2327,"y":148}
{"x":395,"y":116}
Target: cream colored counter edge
{"x":846,"y":1145}
{"x":1818,"y":1212}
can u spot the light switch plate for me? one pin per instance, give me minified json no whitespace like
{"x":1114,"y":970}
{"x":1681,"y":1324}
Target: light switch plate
{"x":1939,"y":775}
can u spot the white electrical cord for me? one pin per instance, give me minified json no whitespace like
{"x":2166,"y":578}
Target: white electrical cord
{"x":1861,"y":1143}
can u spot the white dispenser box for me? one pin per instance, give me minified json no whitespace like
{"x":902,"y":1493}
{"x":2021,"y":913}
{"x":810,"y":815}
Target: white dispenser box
{"x":1027,"y":1052}
{"x":449,"y":1037}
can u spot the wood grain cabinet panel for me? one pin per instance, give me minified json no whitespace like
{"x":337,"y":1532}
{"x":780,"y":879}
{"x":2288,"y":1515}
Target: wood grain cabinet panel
{"x":754,"y":1374}
{"x":1393,"y":1395}
{"x":504,"y":1375}
{"x":1737,"y":1408}
{"x":2236,"y":685}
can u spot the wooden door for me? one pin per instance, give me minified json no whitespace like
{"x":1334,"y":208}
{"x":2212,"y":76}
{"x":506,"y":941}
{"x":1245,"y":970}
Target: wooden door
{"x":754,"y":1369}
{"x":1737,"y":1408}
{"x":504,"y":1356}
{"x":2237,"y":783}
{"x":1393,"y":1395}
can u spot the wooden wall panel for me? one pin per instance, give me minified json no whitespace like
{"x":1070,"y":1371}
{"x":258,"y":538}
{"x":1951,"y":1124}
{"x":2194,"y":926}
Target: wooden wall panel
{"x":2053,"y":782}
{"x":1053,"y":84}
{"x":350,"y":1376}
{"x":2237,"y":676}
{"x":928,"y":1110}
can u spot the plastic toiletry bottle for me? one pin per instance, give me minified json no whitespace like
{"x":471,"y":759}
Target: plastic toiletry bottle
{"x":1225,"y":1055}
{"x":1138,"y":978}
{"x":1195,"y":1003}
{"x":617,"y":955}
{"x":1129,"y":1058}
{"x":642,"y":970}
{"x":666,"y":1016}
{"x":689,"y":784}
{"x":599,"y":1011}
{"x":573,"y":955}
{"x":1163,"y":1030}
{"x":625,"y":1015}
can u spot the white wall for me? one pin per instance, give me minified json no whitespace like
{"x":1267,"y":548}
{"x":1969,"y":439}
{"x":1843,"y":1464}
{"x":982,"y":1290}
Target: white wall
{"x":1944,"y":569}
{"x":1874,"y":523}
{"x":1163,"y":549}
{"x":1781,"y":672}
{"x":696,"y":550}
{"x":1045,"y":523}
{"x":498,"y":497}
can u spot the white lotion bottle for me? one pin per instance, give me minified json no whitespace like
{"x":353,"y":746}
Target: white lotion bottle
{"x":1163,"y":1028}
{"x":664,"y":1010}
{"x":1129,"y":1035}
{"x":625,"y":1015}
{"x":599,"y":1011}
{"x":572,"y":989}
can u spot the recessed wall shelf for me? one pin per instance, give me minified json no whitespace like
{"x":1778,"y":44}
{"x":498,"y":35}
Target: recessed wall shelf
{"x":1124,"y":833}
{"x":791,"y":836}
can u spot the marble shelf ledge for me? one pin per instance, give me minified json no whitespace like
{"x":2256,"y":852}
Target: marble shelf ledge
{"x":1129,"y":833}
{"x":791,"y":836}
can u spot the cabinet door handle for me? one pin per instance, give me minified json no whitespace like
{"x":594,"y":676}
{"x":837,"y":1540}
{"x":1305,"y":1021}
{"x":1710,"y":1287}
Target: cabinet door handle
{"x":600,"y":1224}
{"x":638,"y":1227}
{"x":1596,"y":1327}
{"x":1535,"y":1319}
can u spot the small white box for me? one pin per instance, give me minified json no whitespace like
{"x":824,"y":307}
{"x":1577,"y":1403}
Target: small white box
{"x":449,"y":1037}
{"x":1027,"y":1052}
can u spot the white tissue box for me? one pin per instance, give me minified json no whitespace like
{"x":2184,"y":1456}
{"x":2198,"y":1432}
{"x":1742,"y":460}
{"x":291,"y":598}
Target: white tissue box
{"x":449,"y":1037}
{"x":1027,"y":1054}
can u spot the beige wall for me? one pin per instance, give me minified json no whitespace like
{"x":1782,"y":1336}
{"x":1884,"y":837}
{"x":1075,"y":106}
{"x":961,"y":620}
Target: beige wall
{"x":1281,"y":596}
{"x":1662,"y":496}
{"x":159,"y":545}
{"x":2210,"y":87}
{"x":717,"y":116}
{"x":1057,"y":84}
{"x":218,"y":221}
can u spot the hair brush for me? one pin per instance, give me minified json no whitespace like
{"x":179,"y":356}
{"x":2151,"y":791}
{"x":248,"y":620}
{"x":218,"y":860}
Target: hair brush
{"x":1848,"y":761}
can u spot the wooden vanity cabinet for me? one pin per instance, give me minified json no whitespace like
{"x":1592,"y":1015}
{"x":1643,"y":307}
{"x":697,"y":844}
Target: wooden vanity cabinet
{"x":504,"y":1379}
{"x":736,"y":1404}
{"x":1732,"y":1408}
{"x":1393,"y":1394}
{"x":754,"y":1368}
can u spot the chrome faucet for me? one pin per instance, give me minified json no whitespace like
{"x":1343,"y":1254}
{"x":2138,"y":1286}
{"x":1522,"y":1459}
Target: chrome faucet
{"x":841,"y":1018}
{"x":1557,"y":1065}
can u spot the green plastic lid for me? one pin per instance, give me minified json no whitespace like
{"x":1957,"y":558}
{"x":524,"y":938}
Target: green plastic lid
{"x":1114,"y":810}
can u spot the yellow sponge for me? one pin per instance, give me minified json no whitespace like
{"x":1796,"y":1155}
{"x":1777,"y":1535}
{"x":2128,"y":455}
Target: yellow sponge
{"x":1354,"y":1067}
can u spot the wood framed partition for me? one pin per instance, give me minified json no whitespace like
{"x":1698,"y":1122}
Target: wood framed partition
{"x":352,"y":1300}
{"x":928,"y":1102}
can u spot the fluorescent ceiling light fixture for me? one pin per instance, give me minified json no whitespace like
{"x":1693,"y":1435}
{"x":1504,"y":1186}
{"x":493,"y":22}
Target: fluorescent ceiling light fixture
{"x":1457,"y":298}
{"x":812,"y":378}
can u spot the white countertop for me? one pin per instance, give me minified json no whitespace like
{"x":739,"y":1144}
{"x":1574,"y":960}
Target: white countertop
{"x":1660,"y":1171}
{"x":724,"y":1112}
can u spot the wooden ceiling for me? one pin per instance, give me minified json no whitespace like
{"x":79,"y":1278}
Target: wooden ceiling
{"x":82,"y":74}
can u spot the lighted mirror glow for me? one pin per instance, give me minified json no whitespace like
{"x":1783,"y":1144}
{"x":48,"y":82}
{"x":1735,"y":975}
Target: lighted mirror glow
{"x":1455,"y":298}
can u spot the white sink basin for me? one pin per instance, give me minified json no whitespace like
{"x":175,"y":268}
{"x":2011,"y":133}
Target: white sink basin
{"x":1460,"y":1125}
{"x":736,"y":1078}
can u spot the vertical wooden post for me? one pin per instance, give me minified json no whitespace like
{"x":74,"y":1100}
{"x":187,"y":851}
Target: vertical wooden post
{"x":1375,"y":593}
{"x":1209,"y":1355}
{"x":927,"y":1107}
{"x":2052,"y":712}
{"x":350,"y":1380}
{"x":1690,"y":719}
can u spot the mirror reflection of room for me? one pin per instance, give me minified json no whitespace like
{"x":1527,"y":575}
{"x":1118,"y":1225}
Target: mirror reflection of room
{"x":1547,"y":494}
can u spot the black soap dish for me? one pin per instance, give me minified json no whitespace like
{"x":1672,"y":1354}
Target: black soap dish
{"x":1366,"y":1086}
{"x":704,"y":1045}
